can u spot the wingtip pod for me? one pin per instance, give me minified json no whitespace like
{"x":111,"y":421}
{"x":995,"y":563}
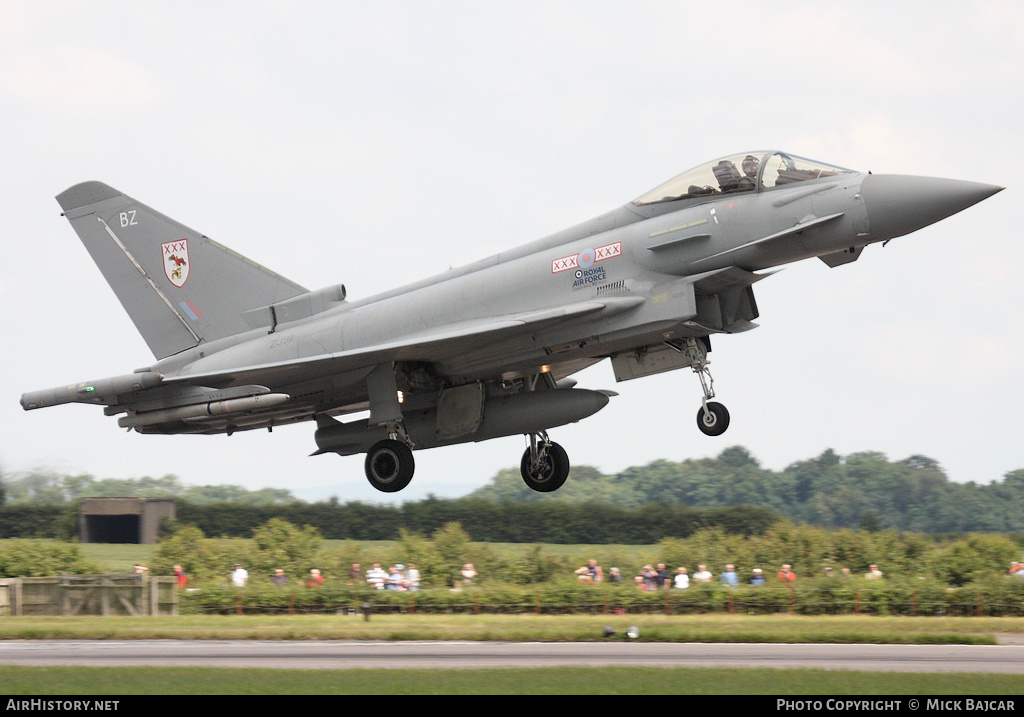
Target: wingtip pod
{"x":85,"y":194}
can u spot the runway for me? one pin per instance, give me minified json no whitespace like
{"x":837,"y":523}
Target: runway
{"x":327,"y":654}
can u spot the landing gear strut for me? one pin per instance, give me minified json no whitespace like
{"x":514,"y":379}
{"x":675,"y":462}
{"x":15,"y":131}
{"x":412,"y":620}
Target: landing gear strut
{"x":389,"y":463}
{"x":713,"y":417}
{"x":545,"y":464}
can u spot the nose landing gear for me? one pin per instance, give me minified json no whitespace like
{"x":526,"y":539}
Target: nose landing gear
{"x":713,"y":417}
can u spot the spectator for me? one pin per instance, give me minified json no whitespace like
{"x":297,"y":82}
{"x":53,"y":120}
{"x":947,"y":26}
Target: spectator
{"x":729,"y":576}
{"x":239,"y":576}
{"x":873,"y":572}
{"x":682,"y":580}
{"x":355,"y":574}
{"x":614,"y":576}
{"x":641,"y":583}
{"x":591,"y":572}
{"x":663,"y":577}
{"x":412,"y":578}
{"x":376,"y":576}
{"x":787,"y":575}
{"x":649,"y":576}
{"x":758,"y":578}
{"x":702,"y":575}
{"x":1015,"y":569}
{"x":314,"y":579}
{"x":395,"y":580}
{"x":139,"y":569}
{"x":180,"y":579}
{"x":468,"y":575}
{"x":828,"y":572}
{"x":278,"y":578}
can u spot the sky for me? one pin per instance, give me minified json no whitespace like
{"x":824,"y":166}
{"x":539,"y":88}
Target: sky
{"x":374,"y":144}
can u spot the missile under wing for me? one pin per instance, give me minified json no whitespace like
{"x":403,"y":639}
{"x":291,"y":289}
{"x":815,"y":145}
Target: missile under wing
{"x":486,"y":350}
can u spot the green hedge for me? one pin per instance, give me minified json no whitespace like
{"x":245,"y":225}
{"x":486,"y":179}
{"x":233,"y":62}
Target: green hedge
{"x":25,"y":558}
{"x":996,"y":597}
{"x":484,"y":520}
{"x":39,"y":520}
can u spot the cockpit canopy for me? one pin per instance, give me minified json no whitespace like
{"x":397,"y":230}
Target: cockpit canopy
{"x":739,"y":173}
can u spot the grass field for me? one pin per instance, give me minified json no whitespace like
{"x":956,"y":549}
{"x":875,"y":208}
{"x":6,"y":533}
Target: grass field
{"x":41,"y":681}
{"x":512,"y":628}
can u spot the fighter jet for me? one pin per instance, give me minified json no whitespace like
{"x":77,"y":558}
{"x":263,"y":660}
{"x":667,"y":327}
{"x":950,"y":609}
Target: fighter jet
{"x":485,"y":350}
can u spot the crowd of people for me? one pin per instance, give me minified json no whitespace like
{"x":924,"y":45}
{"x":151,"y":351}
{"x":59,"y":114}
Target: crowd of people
{"x":240,"y":577}
{"x":397,"y":577}
{"x":651,"y":577}
{"x":655,"y":578}
{"x":658,"y":577}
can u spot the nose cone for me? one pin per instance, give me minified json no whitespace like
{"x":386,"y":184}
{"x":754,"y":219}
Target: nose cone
{"x":899,"y":204}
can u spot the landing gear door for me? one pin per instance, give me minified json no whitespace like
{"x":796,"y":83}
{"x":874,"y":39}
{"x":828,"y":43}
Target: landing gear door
{"x":648,"y":360}
{"x":460,"y":411}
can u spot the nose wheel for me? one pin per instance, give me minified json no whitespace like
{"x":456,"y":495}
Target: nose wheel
{"x":713,"y":417}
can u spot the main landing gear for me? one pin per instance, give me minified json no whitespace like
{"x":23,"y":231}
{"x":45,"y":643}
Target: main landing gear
{"x":713,"y":417}
{"x":545,"y":464}
{"x":389,"y":463}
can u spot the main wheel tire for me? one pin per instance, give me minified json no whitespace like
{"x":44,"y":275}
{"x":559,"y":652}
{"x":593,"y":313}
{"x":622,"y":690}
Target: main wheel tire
{"x":715,"y":420}
{"x":551,"y":473}
{"x":389,"y":465}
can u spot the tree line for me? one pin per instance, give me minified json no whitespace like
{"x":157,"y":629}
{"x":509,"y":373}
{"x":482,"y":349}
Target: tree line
{"x":660,"y":499}
{"x":47,"y":487}
{"x":861,"y":490}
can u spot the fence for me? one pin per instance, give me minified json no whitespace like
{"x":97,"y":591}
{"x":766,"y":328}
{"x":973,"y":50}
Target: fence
{"x":117,"y":594}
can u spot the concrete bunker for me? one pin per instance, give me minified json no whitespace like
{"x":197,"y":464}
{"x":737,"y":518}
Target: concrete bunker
{"x":123,"y":520}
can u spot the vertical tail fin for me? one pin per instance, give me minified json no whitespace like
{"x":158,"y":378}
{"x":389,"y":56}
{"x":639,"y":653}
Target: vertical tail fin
{"x":179,"y":287}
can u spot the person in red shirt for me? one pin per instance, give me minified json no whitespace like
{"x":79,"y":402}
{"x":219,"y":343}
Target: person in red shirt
{"x":787,"y":575}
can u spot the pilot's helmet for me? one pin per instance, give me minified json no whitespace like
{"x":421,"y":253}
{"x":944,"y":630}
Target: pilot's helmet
{"x":750,"y":165}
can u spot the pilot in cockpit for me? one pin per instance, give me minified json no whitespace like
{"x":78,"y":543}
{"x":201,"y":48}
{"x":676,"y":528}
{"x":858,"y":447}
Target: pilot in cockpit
{"x":750,"y":167}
